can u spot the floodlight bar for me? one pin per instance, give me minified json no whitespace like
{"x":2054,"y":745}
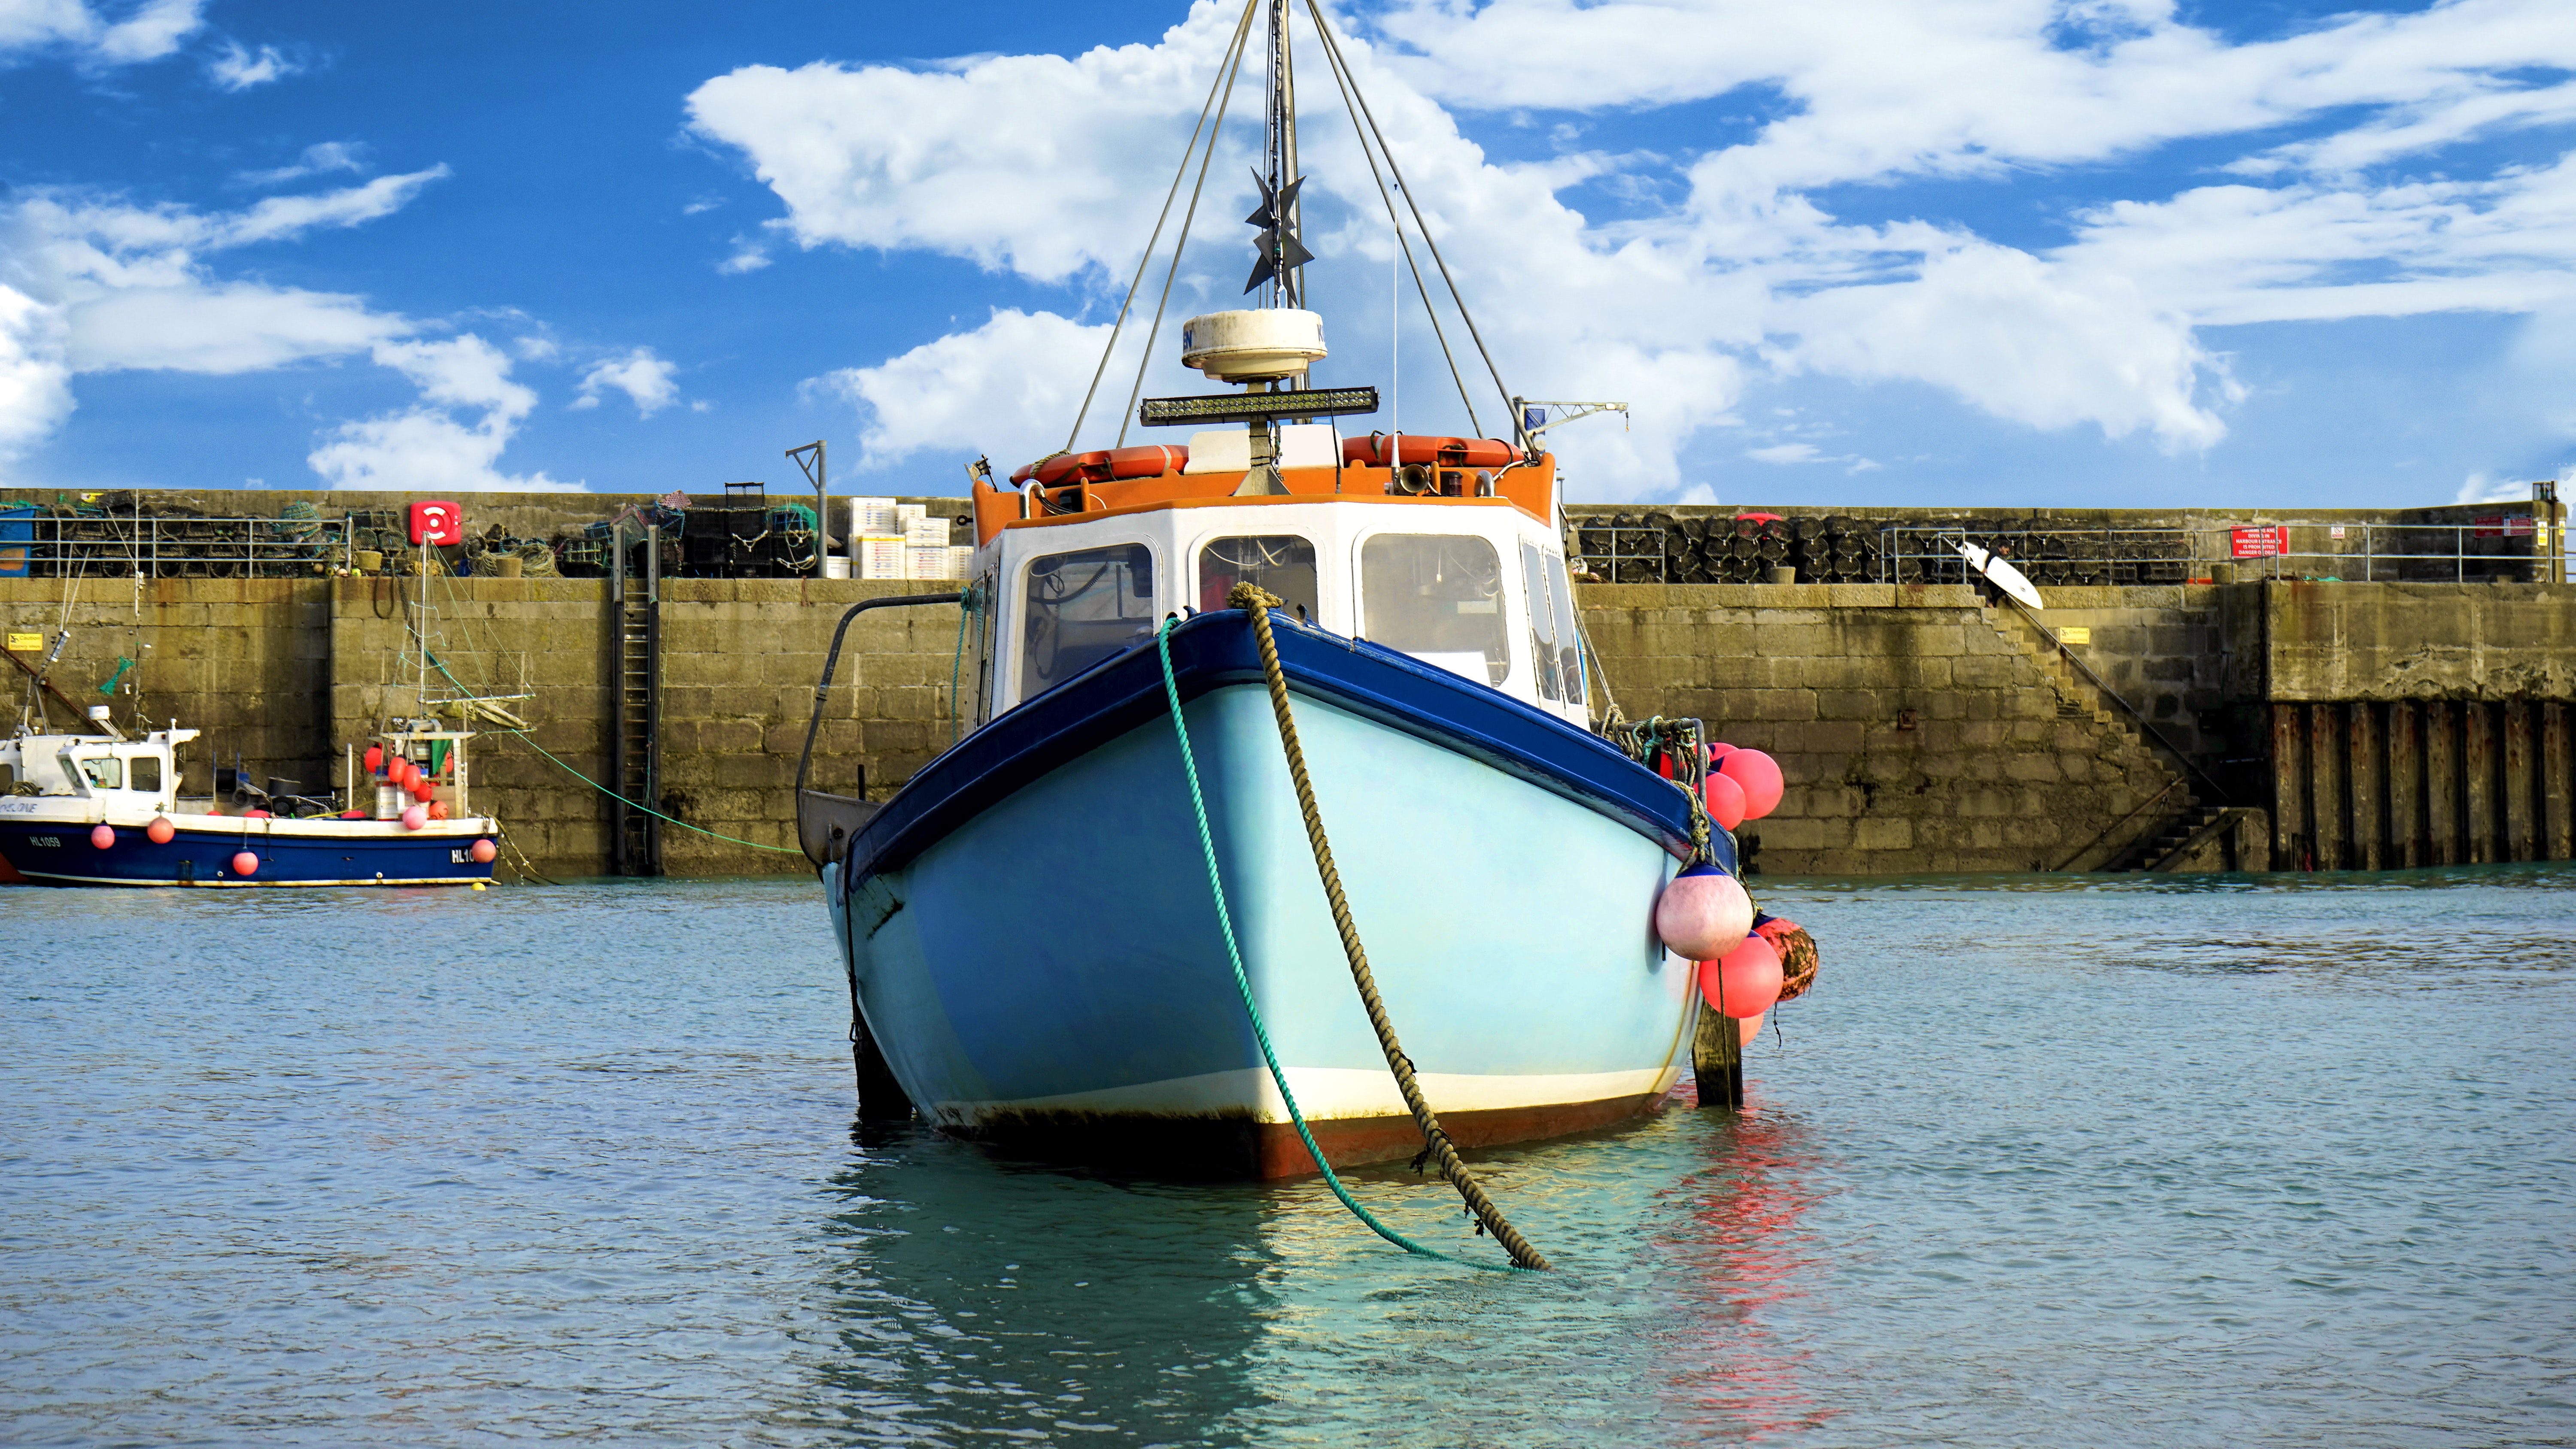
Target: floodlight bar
{"x":1248,"y":407}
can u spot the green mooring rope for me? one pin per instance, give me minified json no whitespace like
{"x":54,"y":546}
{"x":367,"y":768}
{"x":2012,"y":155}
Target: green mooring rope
{"x":1243,"y":984}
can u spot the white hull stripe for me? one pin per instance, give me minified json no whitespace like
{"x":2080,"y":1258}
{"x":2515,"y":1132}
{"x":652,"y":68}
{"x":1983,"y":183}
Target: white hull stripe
{"x":1325,"y":1093}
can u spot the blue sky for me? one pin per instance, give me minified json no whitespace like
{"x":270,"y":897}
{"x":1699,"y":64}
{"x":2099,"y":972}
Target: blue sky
{"x":1995,"y":252}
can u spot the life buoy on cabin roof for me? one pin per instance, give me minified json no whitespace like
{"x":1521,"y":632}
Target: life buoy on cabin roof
{"x":1104,"y":466}
{"x":1422,"y":448}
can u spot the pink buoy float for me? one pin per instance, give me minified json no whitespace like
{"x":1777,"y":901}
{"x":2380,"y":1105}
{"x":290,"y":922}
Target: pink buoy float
{"x":415,"y":817}
{"x":102,"y":836}
{"x":1702,"y":913}
{"x":245,"y":863}
{"x":483,"y":852}
{"x":160,"y":831}
{"x":1745,"y":981}
{"x":1759,"y":774}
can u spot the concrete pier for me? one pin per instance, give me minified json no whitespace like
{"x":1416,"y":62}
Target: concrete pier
{"x":1921,"y":727}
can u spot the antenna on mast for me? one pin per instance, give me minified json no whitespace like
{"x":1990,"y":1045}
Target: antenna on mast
{"x":1279,"y":215}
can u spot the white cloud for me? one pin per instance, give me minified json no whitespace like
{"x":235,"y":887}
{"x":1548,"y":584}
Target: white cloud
{"x":1007,"y":389}
{"x":1784,"y":453}
{"x":1725,"y":262}
{"x":319,"y":159}
{"x":35,"y":382}
{"x":1034,"y":163}
{"x":649,"y":380}
{"x":748,"y":256}
{"x":2480,"y":488}
{"x":148,"y":32}
{"x":221,"y":328}
{"x":237,"y":69}
{"x":427,"y":448}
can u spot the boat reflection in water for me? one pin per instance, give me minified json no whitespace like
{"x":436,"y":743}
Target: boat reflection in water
{"x":1736,"y":1248}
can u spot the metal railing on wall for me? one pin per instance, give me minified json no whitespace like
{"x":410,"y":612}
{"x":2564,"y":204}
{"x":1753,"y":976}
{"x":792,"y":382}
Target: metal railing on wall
{"x":112,"y":546}
{"x":1659,"y":547}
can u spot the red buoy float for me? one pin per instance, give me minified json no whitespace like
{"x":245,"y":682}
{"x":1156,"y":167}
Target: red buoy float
{"x":245,"y":863}
{"x":1725,"y":800}
{"x":1745,"y":981}
{"x":160,"y":831}
{"x":1702,"y":913}
{"x":375,"y":758}
{"x":437,"y":809}
{"x":102,"y":836}
{"x":1759,"y":774}
{"x":483,"y":852}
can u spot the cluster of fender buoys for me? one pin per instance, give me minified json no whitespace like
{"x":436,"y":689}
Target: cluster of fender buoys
{"x":1742,"y":784}
{"x":1705,"y":916}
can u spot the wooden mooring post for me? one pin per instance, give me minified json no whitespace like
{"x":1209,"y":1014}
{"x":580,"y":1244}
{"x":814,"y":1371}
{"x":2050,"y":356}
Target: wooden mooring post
{"x":1717,"y":1059}
{"x":2405,"y":786}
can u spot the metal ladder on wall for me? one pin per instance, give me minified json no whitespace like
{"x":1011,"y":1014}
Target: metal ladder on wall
{"x":634,"y":610}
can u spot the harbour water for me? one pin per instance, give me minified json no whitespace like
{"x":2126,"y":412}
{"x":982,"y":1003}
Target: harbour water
{"x":2043,"y":1160}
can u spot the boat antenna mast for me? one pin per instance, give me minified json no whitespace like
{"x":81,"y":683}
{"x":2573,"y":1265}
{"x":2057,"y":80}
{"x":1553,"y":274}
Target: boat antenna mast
{"x":1283,"y":256}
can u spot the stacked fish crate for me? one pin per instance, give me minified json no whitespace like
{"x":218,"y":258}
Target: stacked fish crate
{"x":891,"y":540}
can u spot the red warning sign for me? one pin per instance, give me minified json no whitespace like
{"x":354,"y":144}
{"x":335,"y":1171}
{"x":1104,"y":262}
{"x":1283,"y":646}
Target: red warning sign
{"x":2261,"y":542}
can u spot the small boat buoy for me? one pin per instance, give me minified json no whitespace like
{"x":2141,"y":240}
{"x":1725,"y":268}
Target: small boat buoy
{"x":437,"y":809}
{"x":1745,"y":982}
{"x":375,"y":758}
{"x":478,"y":885}
{"x":102,"y":836}
{"x":1759,"y":774}
{"x":254,"y":815}
{"x":483,"y":851}
{"x":415,"y":817}
{"x":1703,"y":913}
{"x":160,"y":831}
{"x":1725,"y":800}
{"x":245,"y":863}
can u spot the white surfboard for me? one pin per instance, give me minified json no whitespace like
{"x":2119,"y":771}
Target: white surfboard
{"x":2004,"y":575}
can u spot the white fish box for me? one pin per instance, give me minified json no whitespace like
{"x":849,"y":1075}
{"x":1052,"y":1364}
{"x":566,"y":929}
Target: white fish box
{"x":929,"y":563}
{"x":881,"y":556}
{"x":872,"y":516}
{"x":926,"y":532}
{"x":961,"y":562}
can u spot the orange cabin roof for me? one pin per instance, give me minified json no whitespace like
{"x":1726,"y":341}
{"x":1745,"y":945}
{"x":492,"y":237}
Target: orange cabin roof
{"x":1529,"y":487}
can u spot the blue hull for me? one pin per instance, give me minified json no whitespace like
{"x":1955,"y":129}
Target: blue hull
{"x":1047,"y":968}
{"x":60,"y":853}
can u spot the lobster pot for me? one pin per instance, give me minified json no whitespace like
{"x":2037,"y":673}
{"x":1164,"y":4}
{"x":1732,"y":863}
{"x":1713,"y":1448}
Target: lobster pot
{"x":870,"y":517}
{"x":925,"y":532}
{"x":881,"y":556}
{"x":929,"y":563}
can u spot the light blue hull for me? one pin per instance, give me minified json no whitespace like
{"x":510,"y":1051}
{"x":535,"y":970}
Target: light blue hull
{"x":1055,"y":964}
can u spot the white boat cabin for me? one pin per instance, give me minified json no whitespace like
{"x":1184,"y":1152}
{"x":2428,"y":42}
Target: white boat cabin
{"x":140,"y":774}
{"x":1476,"y":586}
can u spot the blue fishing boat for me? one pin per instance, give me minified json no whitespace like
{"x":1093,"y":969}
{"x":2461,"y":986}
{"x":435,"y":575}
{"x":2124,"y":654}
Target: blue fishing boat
{"x":105,"y":810}
{"x":1256,"y":720}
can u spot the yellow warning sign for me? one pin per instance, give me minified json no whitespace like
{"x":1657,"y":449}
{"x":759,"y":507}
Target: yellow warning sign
{"x":2075,"y":634}
{"x":28,"y":642}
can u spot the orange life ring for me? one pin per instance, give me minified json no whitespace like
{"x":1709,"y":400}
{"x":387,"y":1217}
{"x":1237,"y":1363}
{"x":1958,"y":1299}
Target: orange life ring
{"x":1423,"y":448}
{"x":1104,"y":465}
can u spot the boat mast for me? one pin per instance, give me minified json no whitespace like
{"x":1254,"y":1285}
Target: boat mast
{"x":1287,"y":286}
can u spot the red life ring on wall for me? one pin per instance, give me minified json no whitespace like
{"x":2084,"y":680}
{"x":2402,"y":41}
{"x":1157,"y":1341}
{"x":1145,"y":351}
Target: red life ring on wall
{"x":1422,"y":448}
{"x":1104,"y":466}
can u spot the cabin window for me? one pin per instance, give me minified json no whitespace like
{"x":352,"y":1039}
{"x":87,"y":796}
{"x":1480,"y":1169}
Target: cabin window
{"x":1542,"y":621}
{"x":106,"y":774}
{"x":1569,"y":635}
{"x":1283,"y":563}
{"x":1082,"y":608}
{"x":1439,"y":598}
{"x":146,"y":772}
